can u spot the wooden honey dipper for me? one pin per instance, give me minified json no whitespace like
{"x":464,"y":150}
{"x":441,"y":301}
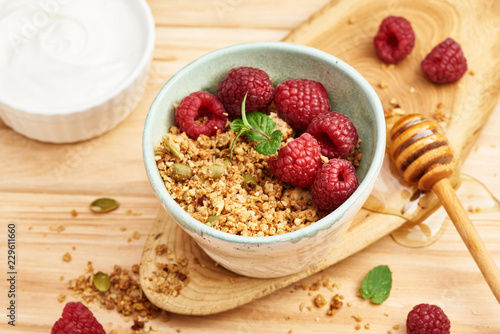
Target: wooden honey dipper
{"x":422,"y":155}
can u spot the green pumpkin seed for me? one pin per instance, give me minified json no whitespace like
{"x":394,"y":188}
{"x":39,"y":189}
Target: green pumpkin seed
{"x":103,"y":205}
{"x":213,"y":219}
{"x":216,"y":170}
{"x":175,"y":152}
{"x":180,"y":172}
{"x":101,"y":281}
{"x":227,"y":161}
{"x":249,"y":181}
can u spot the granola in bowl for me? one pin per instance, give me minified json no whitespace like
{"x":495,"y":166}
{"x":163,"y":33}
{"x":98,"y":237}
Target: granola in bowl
{"x":245,"y":199}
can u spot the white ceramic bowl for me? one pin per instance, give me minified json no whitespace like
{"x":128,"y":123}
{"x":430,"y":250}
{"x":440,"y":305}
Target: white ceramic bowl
{"x":349,"y":93}
{"x":103,"y":110}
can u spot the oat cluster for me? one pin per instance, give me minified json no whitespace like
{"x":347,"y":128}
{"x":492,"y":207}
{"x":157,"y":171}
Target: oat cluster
{"x":125,"y":295}
{"x":170,"y":276}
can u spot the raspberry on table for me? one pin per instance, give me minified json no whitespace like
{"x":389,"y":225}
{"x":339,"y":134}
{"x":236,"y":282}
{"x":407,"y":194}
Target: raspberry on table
{"x":334,"y":184}
{"x":77,"y":319}
{"x":427,"y":319}
{"x":446,"y":63}
{"x":335,"y":133}
{"x":298,"y":101}
{"x":297,"y":162}
{"x":394,"y":39}
{"x":200,"y":113}
{"x":235,"y":85}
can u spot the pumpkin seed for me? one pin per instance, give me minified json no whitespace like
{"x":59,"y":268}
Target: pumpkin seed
{"x":227,"y":161}
{"x":101,"y":281}
{"x":180,"y":172}
{"x":175,"y":152}
{"x":249,"y":181}
{"x":102,"y":205}
{"x":216,"y":170}
{"x":212,"y":219}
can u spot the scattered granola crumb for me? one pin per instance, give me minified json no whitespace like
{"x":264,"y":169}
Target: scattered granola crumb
{"x":367,"y":325}
{"x":170,"y":278}
{"x":335,"y":305}
{"x":349,"y":304}
{"x":389,"y":332}
{"x":61,"y":298}
{"x":58,"y":228}
{"x":320,"y":301}
{"x":290,"y":331}
{"x":351,"y":20}
{"x":125,"y":295}
{"x":136,"y":235}
{"x":357,"y":317}
{"x":160,"y":249}
{"x":74,"y":213}
{"x":135,"y":268}
{"x":66,"y":257}
{"x":440,"y":114}
{"x":386,"y":314}
{"x":396,"y":326}
{"x":61,"y":278}
{"x":412,"y":89}
{"x":383,"y":84}
{"x":472,"y":73}
{"x":132,"y":213}
{"x":30,"y":228}
{"x":394,"y":102}
{"x":123,"y":228}
{"x":357,"y":327}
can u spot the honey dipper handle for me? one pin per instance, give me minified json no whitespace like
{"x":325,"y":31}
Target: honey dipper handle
{"x":471,"y":238}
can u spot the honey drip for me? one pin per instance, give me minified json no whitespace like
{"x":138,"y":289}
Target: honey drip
{"x":392,"y":196}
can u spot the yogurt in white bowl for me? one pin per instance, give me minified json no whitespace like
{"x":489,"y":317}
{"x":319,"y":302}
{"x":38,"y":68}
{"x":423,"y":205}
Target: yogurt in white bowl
{"x":72,"y":69}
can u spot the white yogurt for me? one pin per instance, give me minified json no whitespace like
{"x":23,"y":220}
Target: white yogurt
{"x":62,"y":55}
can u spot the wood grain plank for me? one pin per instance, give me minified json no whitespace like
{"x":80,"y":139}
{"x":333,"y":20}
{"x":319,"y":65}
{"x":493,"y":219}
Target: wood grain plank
{"x":33,"y":194}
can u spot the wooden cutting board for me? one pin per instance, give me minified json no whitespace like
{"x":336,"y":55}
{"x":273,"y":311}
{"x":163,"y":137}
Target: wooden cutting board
{"x":346,"y":29}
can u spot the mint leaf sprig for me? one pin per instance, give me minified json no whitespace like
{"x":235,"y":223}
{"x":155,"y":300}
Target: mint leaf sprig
{"x":377,"y":284}
{"x":259,"y":128}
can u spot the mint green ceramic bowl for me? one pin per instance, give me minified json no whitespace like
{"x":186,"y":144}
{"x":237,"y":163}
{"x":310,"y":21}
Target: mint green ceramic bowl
{"x":349,"y":93}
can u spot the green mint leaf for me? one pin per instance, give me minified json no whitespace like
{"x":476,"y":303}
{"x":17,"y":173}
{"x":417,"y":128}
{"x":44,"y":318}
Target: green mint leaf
{"x":259,"y":128}
{"x":270,"y":146}
{"x":377,"y":284}
{"x":261,"y":125}
{"x":237,"y":125}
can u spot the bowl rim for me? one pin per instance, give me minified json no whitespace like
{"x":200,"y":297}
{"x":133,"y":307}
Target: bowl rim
{"x":146,"y":56}
{"x":307,"y":231}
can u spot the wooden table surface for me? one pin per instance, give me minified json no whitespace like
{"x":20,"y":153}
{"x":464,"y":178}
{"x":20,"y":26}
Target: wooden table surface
{"x":42,"y":184}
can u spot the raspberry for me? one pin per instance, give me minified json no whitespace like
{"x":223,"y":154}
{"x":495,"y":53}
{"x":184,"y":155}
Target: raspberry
{"x":297,"y":162}
{"x":446,"y":62}
{"x":77,"y":319}
{"x":427,"y":319}
{"x":335,"y":182}
{"x":335,"y":133}
{"x":238,"y":81}
{"x":394,"y":40}
{"x":298,"y":101}
{"x":200,"y":113}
